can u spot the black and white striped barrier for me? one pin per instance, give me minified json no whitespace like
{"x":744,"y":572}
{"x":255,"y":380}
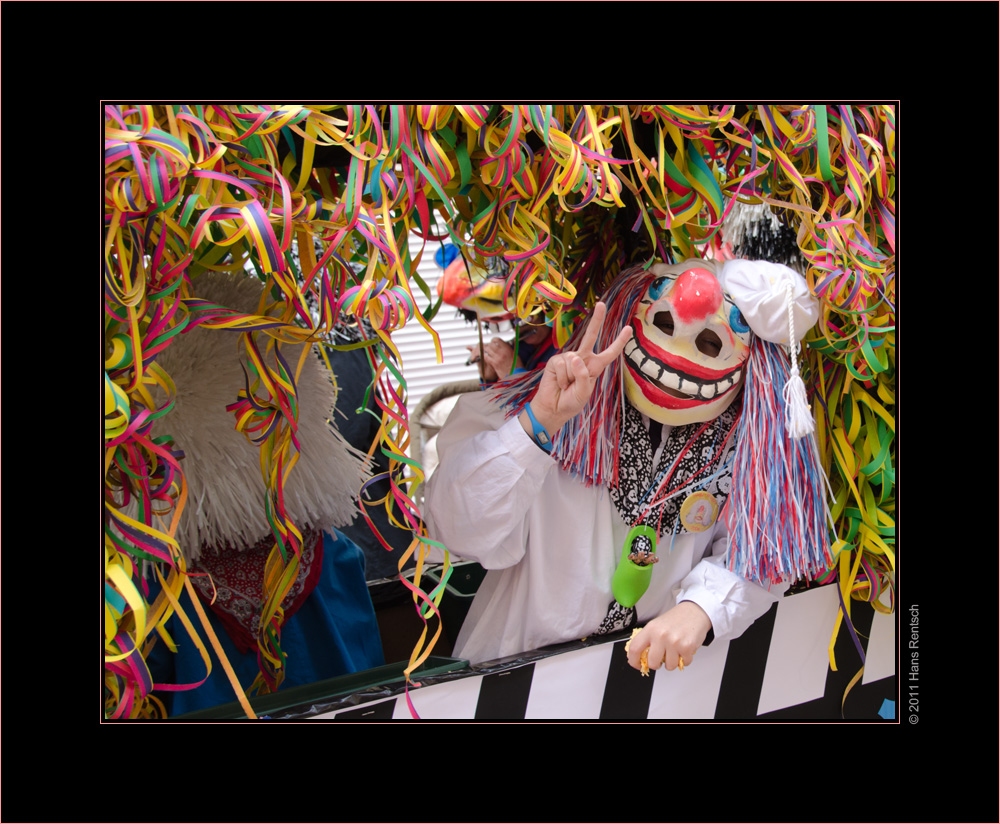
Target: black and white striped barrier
{"x":779,"y":669}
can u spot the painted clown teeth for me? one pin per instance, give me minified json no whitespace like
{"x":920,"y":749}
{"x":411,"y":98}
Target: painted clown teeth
{"x":675,"y":382}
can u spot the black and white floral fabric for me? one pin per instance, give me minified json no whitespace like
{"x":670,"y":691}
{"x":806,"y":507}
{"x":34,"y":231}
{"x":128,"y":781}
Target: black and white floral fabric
{"x":618,"y":618}
{"x":638,"y":479}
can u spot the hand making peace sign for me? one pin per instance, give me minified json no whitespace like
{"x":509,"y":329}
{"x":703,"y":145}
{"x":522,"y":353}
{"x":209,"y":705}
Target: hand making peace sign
{"x":569,"y":377}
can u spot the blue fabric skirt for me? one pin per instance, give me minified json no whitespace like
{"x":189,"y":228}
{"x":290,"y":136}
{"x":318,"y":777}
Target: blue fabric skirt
{"x":333,"y":633}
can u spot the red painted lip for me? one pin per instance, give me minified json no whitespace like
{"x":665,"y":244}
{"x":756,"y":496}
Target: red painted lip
{"x":662,"y":399}
{"x":682,"y":365}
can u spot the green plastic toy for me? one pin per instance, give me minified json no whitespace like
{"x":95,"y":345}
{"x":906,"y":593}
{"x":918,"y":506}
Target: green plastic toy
{"x":631,"y":580}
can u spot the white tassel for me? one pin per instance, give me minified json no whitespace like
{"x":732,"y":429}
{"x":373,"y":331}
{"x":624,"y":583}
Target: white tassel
{"x":798,"y":417}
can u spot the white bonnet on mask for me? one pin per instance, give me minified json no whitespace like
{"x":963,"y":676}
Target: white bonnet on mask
{"x":764,"y":291}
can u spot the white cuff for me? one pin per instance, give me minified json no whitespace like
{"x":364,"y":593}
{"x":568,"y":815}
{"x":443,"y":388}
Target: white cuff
{"x":732,"y":603}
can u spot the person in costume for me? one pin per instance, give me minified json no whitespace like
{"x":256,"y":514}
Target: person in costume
{"x":627,"y":444}
{"x":478,"y":294}
{"x":531,"y":348}
{"x":328,"y":626}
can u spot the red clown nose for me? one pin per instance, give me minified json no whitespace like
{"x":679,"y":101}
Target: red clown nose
{"x":696,"y":295}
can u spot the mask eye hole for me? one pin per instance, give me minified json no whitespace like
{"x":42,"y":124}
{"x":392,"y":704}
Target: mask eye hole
{"x":708,"y":343}
{"x":737,"y":322}
{"x":664,"y":321}
{"x":656,"y":287}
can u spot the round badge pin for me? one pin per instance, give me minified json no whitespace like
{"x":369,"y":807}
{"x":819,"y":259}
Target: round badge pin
{"x":699,"y":511}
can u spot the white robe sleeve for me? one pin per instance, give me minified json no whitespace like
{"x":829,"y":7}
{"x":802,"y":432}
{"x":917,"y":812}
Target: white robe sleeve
{"x":489,"y":474}
{"x":731,"y":602}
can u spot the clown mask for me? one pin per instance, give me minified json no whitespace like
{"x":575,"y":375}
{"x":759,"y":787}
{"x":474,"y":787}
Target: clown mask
{"x":684,"y":362}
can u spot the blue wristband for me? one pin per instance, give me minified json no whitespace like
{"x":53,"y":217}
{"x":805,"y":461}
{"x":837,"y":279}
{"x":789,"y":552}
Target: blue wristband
{"x":541,"y":436}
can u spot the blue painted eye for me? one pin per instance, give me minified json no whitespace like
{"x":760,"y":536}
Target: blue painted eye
{"x":656,"y":288}
{"x":737,"y":321}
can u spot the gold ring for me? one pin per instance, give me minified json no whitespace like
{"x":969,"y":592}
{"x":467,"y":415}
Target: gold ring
{"x":680,"y":663}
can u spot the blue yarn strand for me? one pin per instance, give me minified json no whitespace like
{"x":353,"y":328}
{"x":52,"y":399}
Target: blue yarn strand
{"x":779,"y":506}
